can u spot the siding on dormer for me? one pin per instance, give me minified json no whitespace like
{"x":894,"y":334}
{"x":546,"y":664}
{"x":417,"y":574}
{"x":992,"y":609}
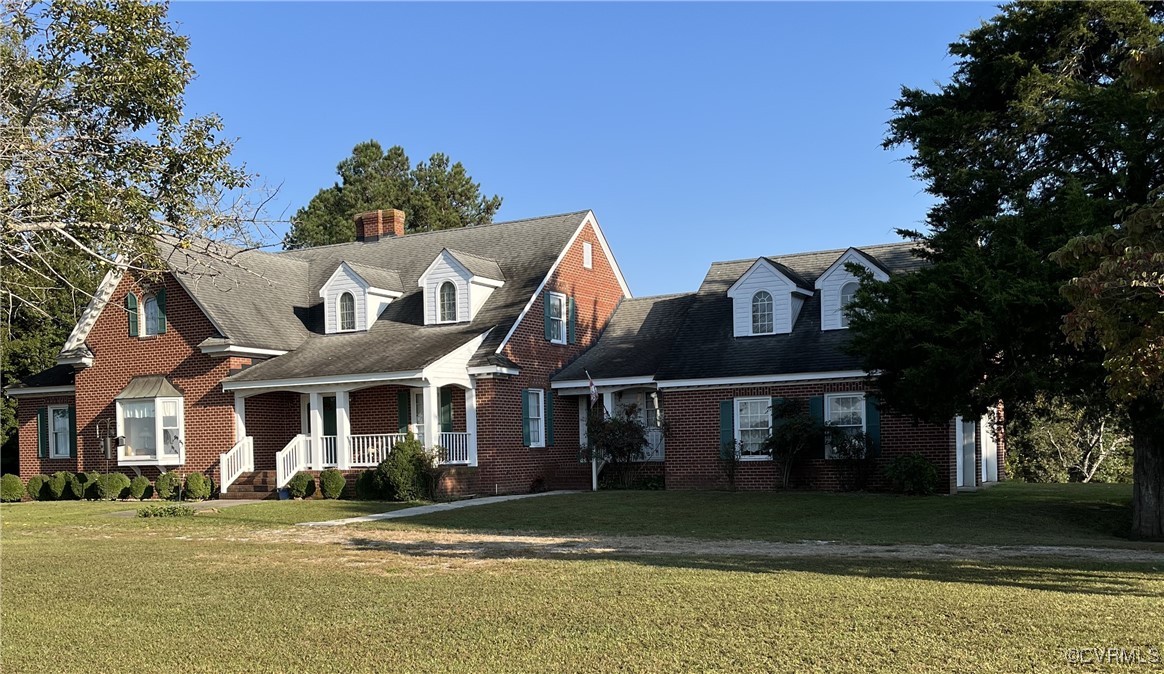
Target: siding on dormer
{"x":761,"y":277}
{"x":830,"y":286}
{"x":345,"y":280}
{"x":445,"y":269}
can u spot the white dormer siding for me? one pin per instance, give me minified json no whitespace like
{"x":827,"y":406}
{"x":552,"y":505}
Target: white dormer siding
{"x":471,"y":291}
{"x":369,"y":301}
{"x":763,"y":277}
{"x":832,"y":283}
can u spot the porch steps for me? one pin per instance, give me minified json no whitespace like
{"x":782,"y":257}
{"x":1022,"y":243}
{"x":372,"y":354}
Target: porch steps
{"x":257,"y":485}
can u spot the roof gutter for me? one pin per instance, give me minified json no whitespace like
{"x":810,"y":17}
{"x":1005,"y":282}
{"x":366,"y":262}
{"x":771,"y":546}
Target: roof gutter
{"x":24,"y":391}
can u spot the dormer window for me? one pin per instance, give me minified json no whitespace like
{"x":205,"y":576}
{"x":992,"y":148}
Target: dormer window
{"x":448,"y":302}
{"x":347,"y":312}
{"x":762,"y":322}
{"x":848,"y":291}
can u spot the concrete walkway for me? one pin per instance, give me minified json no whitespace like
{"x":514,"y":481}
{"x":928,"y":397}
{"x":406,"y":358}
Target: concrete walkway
{"x":434,"y":508}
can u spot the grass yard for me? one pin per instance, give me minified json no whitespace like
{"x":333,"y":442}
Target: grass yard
{"x":241,"y":590}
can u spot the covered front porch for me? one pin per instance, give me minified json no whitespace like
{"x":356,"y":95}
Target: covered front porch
{"x":349,"y":426}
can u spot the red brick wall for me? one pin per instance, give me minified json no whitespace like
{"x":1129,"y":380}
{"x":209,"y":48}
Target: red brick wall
{"x":692,"y":440}
{"x":272,"y":419}
{"x":27,"y":437}
{"x":505,"y":465}
{"x":118,"y":358}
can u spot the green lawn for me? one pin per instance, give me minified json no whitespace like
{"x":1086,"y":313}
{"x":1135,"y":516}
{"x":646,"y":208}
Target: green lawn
{"x":1007,"y":514}
{"x":240,"y":590}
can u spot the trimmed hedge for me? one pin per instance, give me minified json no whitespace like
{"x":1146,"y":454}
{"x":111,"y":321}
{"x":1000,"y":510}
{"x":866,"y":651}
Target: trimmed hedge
{"x":140,"y":489}
{"x":88,"y":484}
{"x":197,"y":487}
{"x":406,"y":474}
{"x":58,"y":485}
{"x":111,"y":485}
{"x":332,"y":483}
{"x":302,"y":485}
{"x":367,"y":487}
{"x":36,"y":487}
{"x":912,"y":474}
{"x":11,"y":488}
{"x":170,"y":510}
{"x":168,"y":486}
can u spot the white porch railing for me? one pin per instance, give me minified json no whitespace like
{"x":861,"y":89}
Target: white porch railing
{"x":296,"y":456}
{"x":240,"y":459}
{"x":655,"y":447}
{"x":330,"y":458}
{"x":456,"y":448}
{"x":369,"y":450}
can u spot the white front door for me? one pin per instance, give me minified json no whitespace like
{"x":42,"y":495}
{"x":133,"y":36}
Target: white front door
{"x":418,"y":410}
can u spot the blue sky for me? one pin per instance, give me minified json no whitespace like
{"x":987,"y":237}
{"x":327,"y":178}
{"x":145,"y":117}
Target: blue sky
{"x":696,"y":132}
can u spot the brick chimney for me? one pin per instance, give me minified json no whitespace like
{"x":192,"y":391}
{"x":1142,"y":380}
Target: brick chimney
{"x":373,"y":225}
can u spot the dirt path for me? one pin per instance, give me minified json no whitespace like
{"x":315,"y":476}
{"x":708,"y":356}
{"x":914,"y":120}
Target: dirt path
{"x":479,"y":545}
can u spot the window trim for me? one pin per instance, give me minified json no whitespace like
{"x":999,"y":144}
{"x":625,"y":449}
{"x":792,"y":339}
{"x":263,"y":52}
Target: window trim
{"x":339,"y":312}
{"x":828,"y":402}
{"x":439,"y":304}
{"x":587,"y":255}
{"x":541,"y":419}
{"x":841,"y":301}
{"x":767,"y":401}
{"x":563,"y":319}
{"x":53,"y":452}
{"x":159,"y":458}
{"x":771,"y":312}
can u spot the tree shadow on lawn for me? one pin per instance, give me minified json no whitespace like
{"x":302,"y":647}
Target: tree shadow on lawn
{"x":1028,"y":573}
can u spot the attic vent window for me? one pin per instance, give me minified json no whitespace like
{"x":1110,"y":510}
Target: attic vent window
{"x":347,"y":312}
{"x":448,"y":302}
{"x":762,"y":323}
{"x":848,"y":291}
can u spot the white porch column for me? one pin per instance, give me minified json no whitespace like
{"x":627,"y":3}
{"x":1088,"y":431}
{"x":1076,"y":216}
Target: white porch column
{"x":315,"y":426}
{"x":471,"y":423}
{"x":240,"y":417}
{"x":343,"y":429}
{"x":432,"y":415}
{"x":608,"y":405}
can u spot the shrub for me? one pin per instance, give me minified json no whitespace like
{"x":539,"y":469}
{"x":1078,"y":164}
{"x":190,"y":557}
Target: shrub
{"x":912,"y":474}
{"x":197,"y":487}
{"x":168,"y":486}
{"x":139,"y":488}
{"x":302,"y":485}
{"x":111,"y":485}
{"x":170,"y":510}
{"x":332,"y":483}
{"x":87,"y":484}
{"x":406,"y":475}
{"x":58,"y":484}
{"x":367,"y":487}
{"x":11,"y":488}
{"x":36,"y":487}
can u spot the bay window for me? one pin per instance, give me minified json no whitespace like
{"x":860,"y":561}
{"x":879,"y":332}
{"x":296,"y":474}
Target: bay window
{"x":153,"y":429}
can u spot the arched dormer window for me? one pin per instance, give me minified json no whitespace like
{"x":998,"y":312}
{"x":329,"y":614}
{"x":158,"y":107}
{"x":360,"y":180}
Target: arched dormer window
{"x":347,"y":311}
{"x":762,"y":320}
{"x":848,"y":291}
{"x":448,"y":302}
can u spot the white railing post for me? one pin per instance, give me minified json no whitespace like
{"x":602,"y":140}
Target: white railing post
{"x":315,"y":408}
{"x":343,"y":430}
{"x":471,"y":423}
{"x":432,"y":415}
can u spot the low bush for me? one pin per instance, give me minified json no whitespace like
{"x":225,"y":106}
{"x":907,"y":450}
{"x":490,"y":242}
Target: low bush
{"x":11,"y":488}
{"x":87,"y":485}
{"x":912,"y":474}
{"x":139,"y":488}
{"x":170,"y":510}
{"x":332,"y":483}
{"x":36,"y":487}
{"x":407,"y":474}
{"x":111,"y":485}
{"x":197,"y":487}
{"x":367,"y":486}
{"x":302,"y":485}
{"x":59,"y":484}
{"x":168,"y":486}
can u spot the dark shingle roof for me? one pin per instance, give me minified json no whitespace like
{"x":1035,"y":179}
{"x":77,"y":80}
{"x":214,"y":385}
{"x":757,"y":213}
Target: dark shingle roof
{"x":635,"y":341}
{"x":399,"y":340}
{"x":479,"y":266}
{"x":57,"y":375}
{"x":385,"y":279}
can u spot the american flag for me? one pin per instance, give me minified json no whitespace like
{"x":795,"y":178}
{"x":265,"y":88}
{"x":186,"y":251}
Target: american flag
{"x":593,"y":390}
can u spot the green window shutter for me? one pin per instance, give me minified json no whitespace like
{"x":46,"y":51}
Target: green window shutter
{"x":131,"y":313}
{"x":816,"y":411}
{"x":727,"y":428}
{"x":42,"y":433}
{"x":446,"y":395}
{"x":777,"y":420}
{"x":161,"y":298}
{"x":72,"y":431}
{"x":873,"y":424}
{"x":571,"y":321}
{"x":403,"y":409}
{"x":548,"y":413}
{"x":525,"y":417}
{"x":546,"y":308}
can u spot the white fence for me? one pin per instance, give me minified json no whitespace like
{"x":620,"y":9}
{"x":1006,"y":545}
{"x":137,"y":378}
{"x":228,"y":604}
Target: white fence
{"x":240,"y":459}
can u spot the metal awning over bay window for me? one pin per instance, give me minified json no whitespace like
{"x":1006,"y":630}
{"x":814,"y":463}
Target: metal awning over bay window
{"x":151,"y":420}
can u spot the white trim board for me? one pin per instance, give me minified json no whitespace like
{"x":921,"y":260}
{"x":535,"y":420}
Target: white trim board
{"x":763,"y":379}
{"x":22,"y":391}
{"x":617,"y":381}
{"x":320,"y":381}
{"x":232,"y":350}
{"x":589,"y":219}
{"x":80,"y":331}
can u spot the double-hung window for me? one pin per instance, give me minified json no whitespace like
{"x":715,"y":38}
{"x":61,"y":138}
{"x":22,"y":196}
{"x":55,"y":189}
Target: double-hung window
{"x":448,"y":302}
{"x":557,"y":318}
{"x":762,"y":315}
{"x":533,"y":418}
{"x":848,"y":292}
{"x":845,"y":411}
{"x":753,"y":426}
{"x":59,"y":432}
{"x":347,"y":312}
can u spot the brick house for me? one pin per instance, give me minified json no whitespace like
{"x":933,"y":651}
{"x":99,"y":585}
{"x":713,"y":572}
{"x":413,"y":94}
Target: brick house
{"x":325,"y":357}
{"x":707,"y":369}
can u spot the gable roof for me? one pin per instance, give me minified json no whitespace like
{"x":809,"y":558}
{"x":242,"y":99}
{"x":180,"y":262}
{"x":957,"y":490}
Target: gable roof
{"x":789,"y":275}
{"x":384,"y":279}
{"x":477,"y":265}
{"x":869,"y":260}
